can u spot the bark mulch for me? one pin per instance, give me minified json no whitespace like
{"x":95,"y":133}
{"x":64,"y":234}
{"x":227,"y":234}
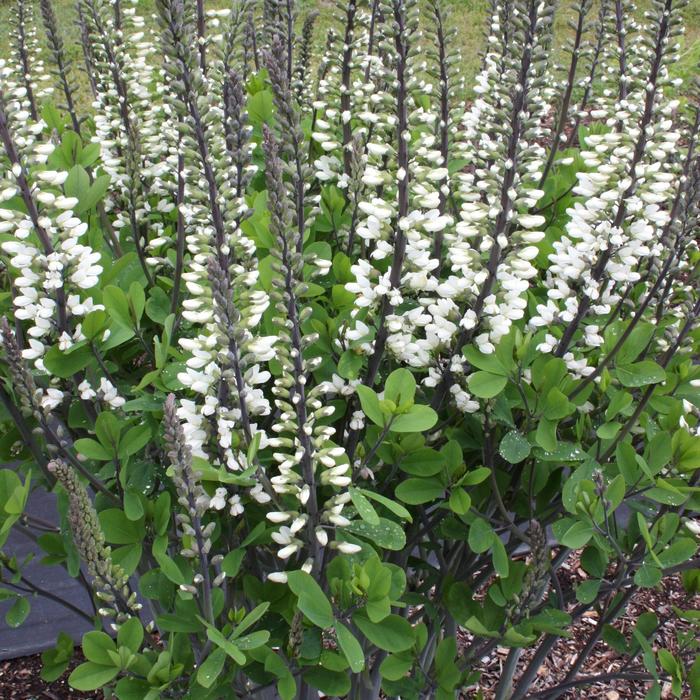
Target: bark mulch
{"x":20,"y":680}
{"x":603,"y":659}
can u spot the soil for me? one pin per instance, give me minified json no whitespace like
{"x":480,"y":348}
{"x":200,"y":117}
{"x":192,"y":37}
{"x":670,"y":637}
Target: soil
{"x":20,"y":680}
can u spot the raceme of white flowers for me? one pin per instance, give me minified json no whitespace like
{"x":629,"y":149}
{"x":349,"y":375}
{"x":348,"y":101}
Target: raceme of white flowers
{"x":442,"y":227}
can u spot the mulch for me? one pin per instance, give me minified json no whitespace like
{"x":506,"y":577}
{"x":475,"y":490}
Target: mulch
{"x":20,"y":680}
{"x":603,"y":659}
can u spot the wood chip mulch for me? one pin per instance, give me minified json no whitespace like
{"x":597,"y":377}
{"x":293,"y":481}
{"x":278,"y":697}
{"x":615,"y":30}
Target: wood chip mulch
{"x":20,"y":679}
{"x":603,"y":659}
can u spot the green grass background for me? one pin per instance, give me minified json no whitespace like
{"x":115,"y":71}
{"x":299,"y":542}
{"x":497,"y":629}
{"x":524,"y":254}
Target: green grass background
{"x":467,"y":15}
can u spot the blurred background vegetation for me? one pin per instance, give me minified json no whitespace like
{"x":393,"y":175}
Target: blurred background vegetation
{"x":468,"y":15}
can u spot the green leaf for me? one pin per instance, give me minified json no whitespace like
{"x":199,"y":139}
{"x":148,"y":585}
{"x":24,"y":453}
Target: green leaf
{"x":486,"y":385}
{"x":89,"y":154}
{"x":170,"y":622}
{"x":415,"y":491}
{"x":501,"y":563}
{"x":640,"y":374}
{"x":646,"y":536}
{"x":396,"y":508}
{"x":211,"y":669}
{"x":393,"y":633}
{"x":587,"y":591}
{"x":394,"y":667}
{"x":130,"y":634}
{"x":400,"y":387}
{"x":94,"y":193}
{"x":137,"y":301}
{"x":312,"y":600}
{"x":135,"y":689}
{"x":659,"y":452}
{"x":551,"y":621}
{"x":92,"y":449}
{"x":386,"y":533}
{"x":370,"y":405}
{"x":480,"y":536}
{"x":418,"y":419}
{"x":608,"y":431}
{"x":350,"y":364}
{"x":167,"y":565}
{"x":17,"y":613}
{"x":228,"y":647}
{"x":250,"y":619}
{"x":556,"y":405}
{"x":477,"y":627}
{"x":161,"y":513}
{"x":514,"y":447}
{"x":489,"y":363}
{"x":364,"y":508}
{"x":118,"y":529}
{"x":260,"y":108}
{"x":330,"y":683}
{"x":679,"y":552}
{"x":627,"y":463}
{"x":158,"y":305}
{"x":108,"y":430}
{"x":91,"y":676}
{"x":350,"y":647}
{"x":635,"y":343}
{"x":546,"y":435}
{"x":562,"y":452}
{"x":117,"y":305}
{"x":96,"y":647}
{"x":231,"y":564}
{"x":128,"y":557}
{"x":576,"y":535}
{"x":446,"y":670}
{"x":647,"y":576}
{"x":77,"y":183}
{"x":134,"y":440}
{"x":252,"y":640}
{"x":55,"y":661}
{"x":133,"y":507}
{"x":424,"y":461}
{"x":66,"y":364}
{"x":94,"y":324}
{"x":475,"y":476}
{"x":460,"y":501}
{"x":16,"y":499}
{"x":618,"y":402}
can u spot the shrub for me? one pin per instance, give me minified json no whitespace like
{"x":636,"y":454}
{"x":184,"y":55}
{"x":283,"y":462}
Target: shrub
{"x":326,"y":365}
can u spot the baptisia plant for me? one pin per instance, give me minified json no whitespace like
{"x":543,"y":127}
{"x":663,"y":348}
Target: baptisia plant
{"x":334,"y":367}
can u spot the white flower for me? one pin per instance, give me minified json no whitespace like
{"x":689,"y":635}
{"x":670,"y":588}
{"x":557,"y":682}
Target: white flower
{"x":358,"y":420}
{"x":277,"y":577}
{"x":532,"y":220}
{"x":257,"y":493}
{"x":348,"y":547}
{"x":86,"y":391}
{"x":51,"y":399}
{"x":263,"y":347}
{"x":109,"y":394}
{"x":278,"y":516}
{"x":236,"y":505}
{"x":218,"y":500}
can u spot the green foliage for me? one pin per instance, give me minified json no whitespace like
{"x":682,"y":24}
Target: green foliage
{"x":313,"y":473}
